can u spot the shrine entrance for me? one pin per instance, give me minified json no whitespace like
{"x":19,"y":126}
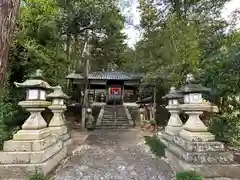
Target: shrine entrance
{"x":115,"y":92}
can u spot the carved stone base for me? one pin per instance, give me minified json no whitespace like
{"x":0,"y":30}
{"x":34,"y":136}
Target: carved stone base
{"x":198,"y":146}
{"x":173,"y":130}
{"x":196,"y":136}
{"x":31,"y":149}
{"x":205,"y":170}
{"x":22,"y":171}
{"x":32,"y":134}
{"x":208,"y":159}
{"x":205,"y":157}
{"x":167,"y":137}
{"x":62,"y":134}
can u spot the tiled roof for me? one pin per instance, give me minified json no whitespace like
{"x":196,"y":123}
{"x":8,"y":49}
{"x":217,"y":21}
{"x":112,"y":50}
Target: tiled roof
{"x":75,"y":76}
{"x":103,"y":75}
{"x":145,"y":100}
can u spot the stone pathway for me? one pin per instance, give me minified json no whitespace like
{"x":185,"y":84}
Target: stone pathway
{"x":114,"y":155}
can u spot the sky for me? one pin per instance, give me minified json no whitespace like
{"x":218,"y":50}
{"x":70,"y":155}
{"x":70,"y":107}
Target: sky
{"x":130,"y":9}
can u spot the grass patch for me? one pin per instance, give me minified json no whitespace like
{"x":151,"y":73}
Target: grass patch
{"x":188,"y":175}
{"x":156,"y":146}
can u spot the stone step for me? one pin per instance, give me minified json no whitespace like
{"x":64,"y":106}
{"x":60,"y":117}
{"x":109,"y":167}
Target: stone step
{"x":114,"y":115}
{"x":112,"y":120}
{"x":123,"y":112}
{"x":120,"y":113}
{"x":114,"y":124}
{"x":104,"y":117}
{"x":114,"y":127}
{"x":113,"y":109}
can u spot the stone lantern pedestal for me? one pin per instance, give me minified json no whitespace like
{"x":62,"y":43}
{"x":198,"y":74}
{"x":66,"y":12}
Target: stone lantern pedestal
{"x":194,"y":129}
{"x":195,"y":148}
{"x":57,"y":124}
{"x":33,"y":147}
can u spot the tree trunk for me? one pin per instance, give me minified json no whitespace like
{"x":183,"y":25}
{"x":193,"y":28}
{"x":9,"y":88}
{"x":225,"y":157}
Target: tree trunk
{"x":8,"y":16}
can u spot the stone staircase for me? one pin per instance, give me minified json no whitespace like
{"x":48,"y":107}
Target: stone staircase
{"x":111,"y":117}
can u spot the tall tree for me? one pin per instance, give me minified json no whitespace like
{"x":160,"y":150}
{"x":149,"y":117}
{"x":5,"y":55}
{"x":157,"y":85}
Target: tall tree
{"x":8,"y":14}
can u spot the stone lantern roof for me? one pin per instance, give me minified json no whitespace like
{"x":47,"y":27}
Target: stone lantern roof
{"x":192,"y":86}
{"x":57,"y":94}
{"x":173,"y":94}
{"x":36,"y":81}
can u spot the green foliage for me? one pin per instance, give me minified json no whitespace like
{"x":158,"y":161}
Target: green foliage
{"x":6,"y":109}
{"x":188,"y":175}
{"x":157,"y":147}
{"x":37,"y":176}
{"x":219,"y":127}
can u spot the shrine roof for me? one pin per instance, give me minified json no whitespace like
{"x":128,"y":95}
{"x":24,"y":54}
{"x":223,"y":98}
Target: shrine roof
{"x":107,"y":75}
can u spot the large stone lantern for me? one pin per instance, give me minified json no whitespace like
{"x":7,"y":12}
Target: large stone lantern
{"x":174,"y":125}
{"x":194,"y":128}
{"x":35,"y":103}
{"x":57,"y":124}
{"x":33,"y":147}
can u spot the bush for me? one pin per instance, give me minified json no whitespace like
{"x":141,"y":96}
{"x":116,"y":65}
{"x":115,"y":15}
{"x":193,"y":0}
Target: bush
{"x":219,"y":127}
{"x":157,"y":147}
{"x":38,"y":176}
{"x":17,"y":118}
{"x":6,"y":109}
{"x":233,"y":120}
{"x":188,"y":175}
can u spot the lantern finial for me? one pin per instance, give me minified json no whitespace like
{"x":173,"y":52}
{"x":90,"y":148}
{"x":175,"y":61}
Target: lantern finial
{"x":37,"y":75}
{"x":190,"y":78}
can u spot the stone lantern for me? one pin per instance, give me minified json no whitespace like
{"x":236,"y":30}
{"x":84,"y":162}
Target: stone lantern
{"x":174,"y":125}
{"x":90,"y":96}
{"x":195,"y":148}
{"x":102,"y":97}
{"x":35,"y":102}
{"x":32,"y":147}
{"x":194,"y":128}
{"x":57,"y":124}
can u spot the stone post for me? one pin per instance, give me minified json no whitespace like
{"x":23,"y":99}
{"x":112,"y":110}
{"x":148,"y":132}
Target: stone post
{"x":57,"y":124}
{"x":195,"y":148}
{"x":33,"y":146}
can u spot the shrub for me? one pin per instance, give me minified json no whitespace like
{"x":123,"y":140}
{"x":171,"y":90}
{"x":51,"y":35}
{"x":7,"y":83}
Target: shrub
{"x":38,"y":176}
{"x":188,"y":175}
{"x":6,"y":109}
{"x":157,"y":147}
{"x":219,"y":127}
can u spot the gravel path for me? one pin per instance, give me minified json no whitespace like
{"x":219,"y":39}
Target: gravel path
{"x":114,"y":155}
